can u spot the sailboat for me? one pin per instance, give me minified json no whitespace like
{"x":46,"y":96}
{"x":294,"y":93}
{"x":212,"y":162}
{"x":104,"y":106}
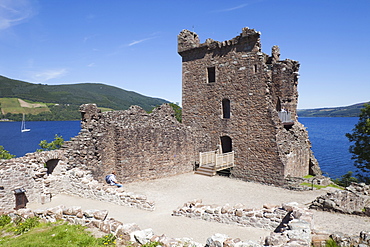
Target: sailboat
{"x":23,"y":126}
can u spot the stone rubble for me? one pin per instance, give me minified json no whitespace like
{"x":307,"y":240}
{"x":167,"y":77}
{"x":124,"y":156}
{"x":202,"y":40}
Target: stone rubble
{"x":355,"y":199}
{"x":343,"y":240}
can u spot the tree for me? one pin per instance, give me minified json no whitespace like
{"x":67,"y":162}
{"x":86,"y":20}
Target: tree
{"x":178,"y":111}
{"x":346,"y":179}
{"x":56,"y":144}
{"x":360,"y":137}
{"x":5,"y":154}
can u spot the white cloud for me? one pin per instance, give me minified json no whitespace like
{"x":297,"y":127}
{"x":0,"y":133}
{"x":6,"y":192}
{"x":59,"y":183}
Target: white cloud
{"x":238,"y":7}
{"x":48,"y":74}
{"x":14,"y":12}
{"x":235,"y":8}
{"x":139,"y":41}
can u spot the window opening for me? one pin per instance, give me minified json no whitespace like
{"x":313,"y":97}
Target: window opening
{"x":211,"y":71}
{"x":226,"y":108}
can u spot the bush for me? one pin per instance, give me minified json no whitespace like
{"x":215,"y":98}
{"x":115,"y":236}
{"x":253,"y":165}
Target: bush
{"x":331,"y":243}
{"x":346,"y":179}
{"x":4,"y":220}
{"x":56,"y":144}
{"x":5,"y":154}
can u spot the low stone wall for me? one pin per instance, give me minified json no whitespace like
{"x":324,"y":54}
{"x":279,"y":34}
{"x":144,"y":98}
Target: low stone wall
{"x":99,"y":219}
{"x":290,"y":224}
{"x":355,"y":199}
{"x":293,"y":232}
{"x":81,"y":183}
{"x":270,"y":217}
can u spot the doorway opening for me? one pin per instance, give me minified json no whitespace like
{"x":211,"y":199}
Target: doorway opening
{"x":226,"y":144}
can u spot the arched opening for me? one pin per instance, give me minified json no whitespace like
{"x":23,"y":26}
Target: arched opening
{"x":226,"y":144}
{"x":51,"y":165}
{"x":226,"y":108}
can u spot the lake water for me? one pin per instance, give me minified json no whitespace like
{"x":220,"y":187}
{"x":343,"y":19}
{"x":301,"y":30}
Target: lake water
{"x":18,"y":143}
{"x":329,"y":143}
{"x":327,"y":135}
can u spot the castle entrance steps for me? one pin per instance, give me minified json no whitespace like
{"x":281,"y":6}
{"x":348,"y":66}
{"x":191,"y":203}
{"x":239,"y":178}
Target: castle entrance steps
{"x":211,"y":162}
{"x":206,"y":170}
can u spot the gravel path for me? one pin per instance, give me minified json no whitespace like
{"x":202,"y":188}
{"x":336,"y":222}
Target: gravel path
{"x":170,"y":193}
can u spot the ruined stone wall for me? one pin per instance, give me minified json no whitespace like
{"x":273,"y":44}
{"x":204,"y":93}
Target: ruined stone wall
{"x":27,"y":172}
{"x":46,"y":174}
{"x":136,"y":144}
{"x":257,"y":87}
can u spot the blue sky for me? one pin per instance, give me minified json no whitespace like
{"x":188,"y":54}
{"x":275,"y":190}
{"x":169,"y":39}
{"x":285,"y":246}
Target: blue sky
{"x":133,"y":44}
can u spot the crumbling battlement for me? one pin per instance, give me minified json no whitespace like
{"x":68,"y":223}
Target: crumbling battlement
{"x":248,"y":40}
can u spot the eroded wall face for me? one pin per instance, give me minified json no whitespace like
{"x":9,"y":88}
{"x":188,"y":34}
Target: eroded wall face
{"x":137,"y":145}
{"x":255,"y":85}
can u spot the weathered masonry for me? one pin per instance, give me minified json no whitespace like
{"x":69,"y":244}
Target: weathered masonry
{"x":242,"y":100}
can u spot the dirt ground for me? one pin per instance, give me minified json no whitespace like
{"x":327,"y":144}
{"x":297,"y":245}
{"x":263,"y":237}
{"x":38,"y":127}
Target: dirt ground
{"x":170,"y":193}
{"x":30,"y":105}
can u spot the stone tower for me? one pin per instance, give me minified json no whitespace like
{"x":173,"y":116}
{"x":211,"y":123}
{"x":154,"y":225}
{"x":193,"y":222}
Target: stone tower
{"x":242,"y":100}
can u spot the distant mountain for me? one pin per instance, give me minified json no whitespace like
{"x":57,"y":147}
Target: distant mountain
{"x":76,"y":94}
{"x":345,"y":111}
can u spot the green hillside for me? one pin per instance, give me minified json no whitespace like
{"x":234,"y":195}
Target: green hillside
{"x":63,"y":100}
{"x":346,"y":111}
{"x":77,"y":94}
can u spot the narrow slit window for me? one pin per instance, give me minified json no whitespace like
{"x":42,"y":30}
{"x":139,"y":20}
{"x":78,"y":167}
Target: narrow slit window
{"x":226,"y":108}
{"x":211,"y":71}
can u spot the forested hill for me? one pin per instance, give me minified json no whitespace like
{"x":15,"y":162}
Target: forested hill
{"x":346,"y":111}
{"x":76,"y":94}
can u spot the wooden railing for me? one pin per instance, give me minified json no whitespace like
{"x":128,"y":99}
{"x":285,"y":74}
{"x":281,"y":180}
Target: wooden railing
{"x":285,"y":117}
{"x":207,"y":158}
{"x":218,"y":161}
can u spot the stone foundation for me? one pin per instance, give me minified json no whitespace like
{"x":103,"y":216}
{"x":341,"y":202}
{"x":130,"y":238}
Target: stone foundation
{"x":290,"y":224}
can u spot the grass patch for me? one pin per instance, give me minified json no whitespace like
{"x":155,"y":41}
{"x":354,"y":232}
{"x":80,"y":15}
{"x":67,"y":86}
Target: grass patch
{"x":104,"y":109}
{"x":31,"y":233}
{"x":12,"y":105}
{"x":316,"y":186}
{"x":308,"y":176}
{"x":331,"y":243}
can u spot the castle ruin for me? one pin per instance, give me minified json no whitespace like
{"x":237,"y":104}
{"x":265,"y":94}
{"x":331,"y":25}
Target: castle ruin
{"x":236,"y":100}
{"x":242,"y":100}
